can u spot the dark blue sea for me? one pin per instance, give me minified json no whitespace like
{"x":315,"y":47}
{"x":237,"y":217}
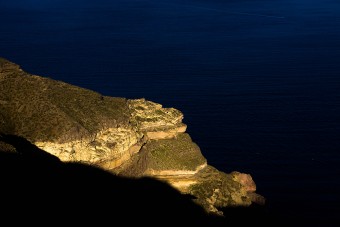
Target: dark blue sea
{"x":258,"y":81}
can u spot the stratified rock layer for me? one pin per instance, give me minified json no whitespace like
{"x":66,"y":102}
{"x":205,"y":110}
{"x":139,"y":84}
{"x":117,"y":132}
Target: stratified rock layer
{"x":132,"y":138}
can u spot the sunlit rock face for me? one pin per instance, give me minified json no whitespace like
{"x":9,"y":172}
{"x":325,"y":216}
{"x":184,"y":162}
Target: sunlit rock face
{"x":110,"y":147}
{"x":128,"y":137}
{"x":106,"y":145}
{"x":154,"y":120}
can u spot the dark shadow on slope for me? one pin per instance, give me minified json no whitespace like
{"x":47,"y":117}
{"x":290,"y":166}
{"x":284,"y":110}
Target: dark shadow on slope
{"x":27,"y":149}
{"x":38,"y":188}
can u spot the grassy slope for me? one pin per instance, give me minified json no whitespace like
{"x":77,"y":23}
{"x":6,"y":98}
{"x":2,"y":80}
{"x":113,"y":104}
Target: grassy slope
{"x":179,"y":153}
{"x":42,"y":109}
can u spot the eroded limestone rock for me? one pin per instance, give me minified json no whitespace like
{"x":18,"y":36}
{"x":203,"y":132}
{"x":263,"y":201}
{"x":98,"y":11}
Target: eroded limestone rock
{"x":133,"y":138}
{"x":107,"y":145}
{"x":215,"y":189}
{"x":154,"y":120}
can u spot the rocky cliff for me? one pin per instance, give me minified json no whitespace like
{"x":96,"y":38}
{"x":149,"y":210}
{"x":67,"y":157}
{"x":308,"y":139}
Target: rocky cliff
{"x":132,"y":138}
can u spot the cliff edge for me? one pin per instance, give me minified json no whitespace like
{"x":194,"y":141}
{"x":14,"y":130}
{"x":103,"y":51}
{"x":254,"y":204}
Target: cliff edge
{"x":132,"y":138}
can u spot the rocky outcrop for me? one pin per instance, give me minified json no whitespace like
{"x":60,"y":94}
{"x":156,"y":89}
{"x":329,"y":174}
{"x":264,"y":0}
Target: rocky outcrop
{"x":106,"y":145}
{"x":132,"y":138}
{"x":155,"y":121}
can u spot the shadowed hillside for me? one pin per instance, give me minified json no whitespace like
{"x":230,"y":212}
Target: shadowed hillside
{"x":71,"y":155}
{"x":36,"y":186}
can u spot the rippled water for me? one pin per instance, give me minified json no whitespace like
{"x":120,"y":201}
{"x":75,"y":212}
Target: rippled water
{"x":258,"y":81}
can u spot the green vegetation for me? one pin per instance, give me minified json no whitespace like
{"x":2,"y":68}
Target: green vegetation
{"x":42,"y":109}
{"x":174,"y":154}
{"x":229,"y":191}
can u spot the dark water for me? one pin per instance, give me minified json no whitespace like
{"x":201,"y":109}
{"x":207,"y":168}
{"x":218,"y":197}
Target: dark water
{"x":258,"y":81}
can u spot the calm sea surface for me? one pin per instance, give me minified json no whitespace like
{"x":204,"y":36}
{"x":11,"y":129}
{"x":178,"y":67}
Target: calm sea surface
{"x":258,"y":81}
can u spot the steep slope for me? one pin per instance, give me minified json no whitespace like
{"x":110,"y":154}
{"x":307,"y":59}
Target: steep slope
{"x":131,"y":138}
